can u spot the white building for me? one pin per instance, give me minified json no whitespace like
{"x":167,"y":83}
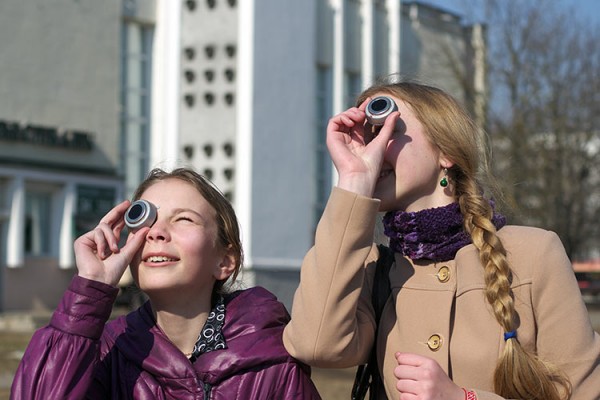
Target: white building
{"x":240,"y":90}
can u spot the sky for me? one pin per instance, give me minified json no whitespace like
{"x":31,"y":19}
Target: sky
{"x":589,"y":9}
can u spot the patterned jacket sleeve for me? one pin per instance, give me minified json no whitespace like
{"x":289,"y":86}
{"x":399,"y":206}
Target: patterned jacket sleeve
{"x":61,"y":358}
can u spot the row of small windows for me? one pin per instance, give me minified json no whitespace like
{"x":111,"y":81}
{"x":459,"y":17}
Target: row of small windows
{"x":192,"y":4}
{"x":210,"y":174}
{"x":210,"y":50}
{"x":209,"y":150}
{"x":209,"y":99}
{"x":209,"y":75}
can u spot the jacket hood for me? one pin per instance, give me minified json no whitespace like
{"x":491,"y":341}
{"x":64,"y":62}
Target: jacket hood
{"x":254,"y":323}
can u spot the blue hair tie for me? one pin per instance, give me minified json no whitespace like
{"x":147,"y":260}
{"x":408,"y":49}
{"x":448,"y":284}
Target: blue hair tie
{"x":510,"y":335}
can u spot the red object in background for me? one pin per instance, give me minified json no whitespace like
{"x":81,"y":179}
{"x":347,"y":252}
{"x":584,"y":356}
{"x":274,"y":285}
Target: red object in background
{"x":588,"y":277}
{"x":587,"y":266}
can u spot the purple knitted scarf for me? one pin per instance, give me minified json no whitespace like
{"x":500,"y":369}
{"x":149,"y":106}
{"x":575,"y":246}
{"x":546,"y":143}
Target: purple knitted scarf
{"x":433,"y":234}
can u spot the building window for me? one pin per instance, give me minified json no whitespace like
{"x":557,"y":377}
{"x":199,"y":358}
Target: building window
{"x":381,"y":32}
{"x":352,"y":88}
{"x":4,"y":212}
{"x":191,"y":5}
{"x":4,"y":218}
{"x":209,"y":51}
{"x":353,"y":31}
{"x":230,"y":50}
{"x":92,"y":204}
{"x":38,"y":223}
{"x":190,"y":53}
{"x":136,"y":73}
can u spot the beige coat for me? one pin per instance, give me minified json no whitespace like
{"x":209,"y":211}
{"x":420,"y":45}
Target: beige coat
{"x":437,"y":309}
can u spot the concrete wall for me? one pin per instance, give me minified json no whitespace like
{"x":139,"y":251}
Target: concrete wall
{"x":59,"y":68}
{"x":283,"y":137}
{"x":434,"y":47}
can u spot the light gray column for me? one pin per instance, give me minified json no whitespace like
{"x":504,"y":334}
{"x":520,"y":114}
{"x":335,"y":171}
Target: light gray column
{"x":15,"y":247}
{"x":166,"y":85}
{"x":394,"y":8}
{"x":368,"y":33}
{"x":244,"y":130}
{"x":66,"y":257}
{"x":338,"y":55}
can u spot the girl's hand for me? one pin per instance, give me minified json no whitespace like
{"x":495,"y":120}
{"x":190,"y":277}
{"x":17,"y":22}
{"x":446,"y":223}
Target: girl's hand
{"x":97,"y":252}
{"x":422,"y":378}
{"x":357,"y":160}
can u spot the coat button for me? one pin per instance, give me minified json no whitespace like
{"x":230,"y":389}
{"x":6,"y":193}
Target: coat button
{"x":443,"y":274}
{"x":434,"y":342}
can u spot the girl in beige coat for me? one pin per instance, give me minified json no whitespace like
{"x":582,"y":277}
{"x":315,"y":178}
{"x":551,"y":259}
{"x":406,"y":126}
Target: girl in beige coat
{"x":478,"y":310}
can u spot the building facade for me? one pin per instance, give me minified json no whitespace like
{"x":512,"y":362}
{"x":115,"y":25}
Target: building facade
{"x":59,"y":132}
{"x":239,"y":90}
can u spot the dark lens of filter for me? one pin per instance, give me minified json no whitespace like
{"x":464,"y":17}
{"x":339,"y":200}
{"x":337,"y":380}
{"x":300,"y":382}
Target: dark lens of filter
{"x":135,"y":212}
{"x":379,"y":105}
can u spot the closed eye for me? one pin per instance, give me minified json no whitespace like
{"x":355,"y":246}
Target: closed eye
{"x":186,"y":214}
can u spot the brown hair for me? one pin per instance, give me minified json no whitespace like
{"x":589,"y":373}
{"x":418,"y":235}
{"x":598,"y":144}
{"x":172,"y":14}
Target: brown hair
{"x":228,"y":235}
{"x":519,"y":374}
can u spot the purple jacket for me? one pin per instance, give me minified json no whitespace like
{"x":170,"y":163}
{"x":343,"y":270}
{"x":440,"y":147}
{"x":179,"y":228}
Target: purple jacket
{"x":78,"y":355}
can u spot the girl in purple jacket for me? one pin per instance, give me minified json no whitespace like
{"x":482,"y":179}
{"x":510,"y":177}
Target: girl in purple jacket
{"x":191,"y":339}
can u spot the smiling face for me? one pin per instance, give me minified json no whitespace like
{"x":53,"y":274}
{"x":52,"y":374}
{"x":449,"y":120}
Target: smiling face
{"x":412,"y":167}
{"x":181,"y":252}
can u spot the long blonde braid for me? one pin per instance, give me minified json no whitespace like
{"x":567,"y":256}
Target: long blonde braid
{"x":519,"y":374}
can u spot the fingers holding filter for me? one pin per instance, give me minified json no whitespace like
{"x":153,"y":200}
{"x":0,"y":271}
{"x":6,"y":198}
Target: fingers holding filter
{"x":377,"y":111}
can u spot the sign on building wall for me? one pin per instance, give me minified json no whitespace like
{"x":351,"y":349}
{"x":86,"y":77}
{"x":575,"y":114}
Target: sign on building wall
{"x":45,"y":136}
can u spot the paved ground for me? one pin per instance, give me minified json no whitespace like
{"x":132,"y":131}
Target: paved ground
{"x":334,"y":384}
{"x":12,"y":345}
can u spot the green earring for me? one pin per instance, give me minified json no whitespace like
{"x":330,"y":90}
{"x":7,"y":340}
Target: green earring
{"x":444,"y":181}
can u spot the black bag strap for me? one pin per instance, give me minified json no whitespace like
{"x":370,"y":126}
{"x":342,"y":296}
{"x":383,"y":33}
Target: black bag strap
{"x":367,"y":375}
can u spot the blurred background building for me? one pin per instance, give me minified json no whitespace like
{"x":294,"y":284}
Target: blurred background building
{"x":59,"y":139}
{"x":93,"y":94}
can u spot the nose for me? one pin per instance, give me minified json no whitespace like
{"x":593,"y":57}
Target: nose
{"x":158,"y":231}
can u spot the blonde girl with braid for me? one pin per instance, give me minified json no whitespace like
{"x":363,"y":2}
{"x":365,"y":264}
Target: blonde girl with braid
{"x":477,"y":309}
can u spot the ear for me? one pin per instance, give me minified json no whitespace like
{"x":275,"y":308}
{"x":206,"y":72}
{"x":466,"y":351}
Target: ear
{"x":227,"y":265}
{"x":445,"y":162}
